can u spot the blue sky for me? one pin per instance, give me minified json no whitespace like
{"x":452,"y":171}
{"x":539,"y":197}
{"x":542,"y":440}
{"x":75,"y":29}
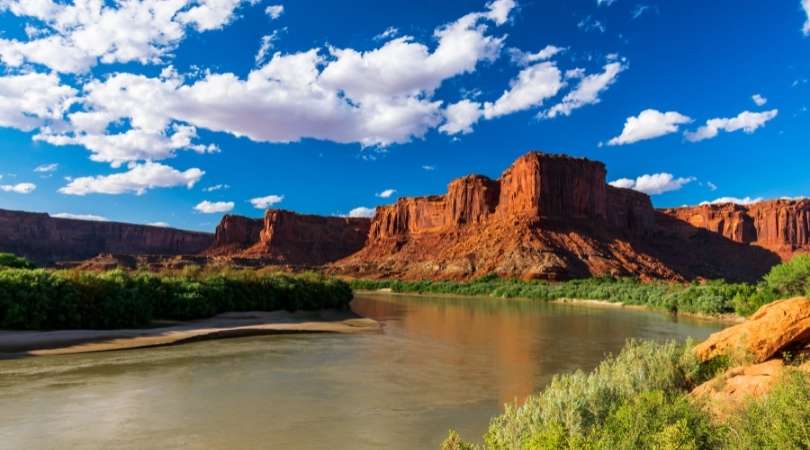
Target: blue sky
{"x":168,"y":111}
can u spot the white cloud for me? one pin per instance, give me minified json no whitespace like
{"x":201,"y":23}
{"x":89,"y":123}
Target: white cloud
{"x":460,"y":117}
{"x":90,"y":217}
{"x":159,"y":224}
{"x":758,"y":99}
{"x":806,"y":7}
{"x":274,"y":11}
{"x":388,"y":33}
{"x":266,"y":202}
{"x":216,"y":187}
{"x":207,"y":207}
{"x":386,"y":193}
{"x":47,"y":168}
{"x":33,"y":100}
{"x":649,"y":124}
{"x":267,"y":44}
{"x":653,"y":184}
{"x":81,"y":34}
{"x":362,"y":211}
{"x":746,"y":121}
{"x":587,"y":91}
{"x":605,"y":2}
{"x":429,"y":168}
{"x":138,"y":179}
{"x":531,"y":88}
{"x":711,"y":186}
{"x":19,"y":188}
{"x":522,"y":58}
{"x":591,"y":24}
{"x":736,"y":200}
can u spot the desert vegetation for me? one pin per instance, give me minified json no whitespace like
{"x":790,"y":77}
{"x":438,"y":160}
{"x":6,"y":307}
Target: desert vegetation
{"x":714,"y":297}
{"x":37,"y":299}
{"x":639,"y":399}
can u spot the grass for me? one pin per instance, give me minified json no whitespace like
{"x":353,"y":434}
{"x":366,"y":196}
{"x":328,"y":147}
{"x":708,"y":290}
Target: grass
{"x":639,"y":400}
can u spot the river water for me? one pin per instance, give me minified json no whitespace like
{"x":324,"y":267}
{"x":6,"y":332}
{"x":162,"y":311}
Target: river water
{"x":439,"y":363}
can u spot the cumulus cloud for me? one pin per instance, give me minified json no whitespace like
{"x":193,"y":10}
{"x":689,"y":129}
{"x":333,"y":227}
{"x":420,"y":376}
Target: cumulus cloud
{"x":267,"y":44}
{"x":531,"y":88}
{"x":758,"y":99}
{"x":138,"y":179}
{"x":649,"y":124}
{"x":207,"y":207}
{"x":653,"y":184}
{"x":736,"y":200}
{"x":587,"y":91}
{"x":33,"y":100}
{"x":266,"y":202}
{"x":47,"y":168}
{"x":806,"y":7}
{"x":386,"y":193}
{"x":460,"y":117}
{"x":90,"y":217}
{"x":746,"y":121}
{"x":74,"y":37}
{"x":362,"y":211}
{"x":19,"y":188}
{"x":274,"y":11}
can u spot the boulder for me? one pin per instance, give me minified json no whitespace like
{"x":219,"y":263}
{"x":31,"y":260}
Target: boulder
{"x":775,"y":328}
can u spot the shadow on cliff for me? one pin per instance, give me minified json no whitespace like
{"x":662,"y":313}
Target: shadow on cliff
{"x":698,"y":253}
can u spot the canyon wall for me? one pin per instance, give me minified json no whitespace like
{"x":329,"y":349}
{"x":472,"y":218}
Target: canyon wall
{"x":285,"y":237}
{"x":47,"y":239}
{"x":781,"y":226}
{"x":553,"y":217}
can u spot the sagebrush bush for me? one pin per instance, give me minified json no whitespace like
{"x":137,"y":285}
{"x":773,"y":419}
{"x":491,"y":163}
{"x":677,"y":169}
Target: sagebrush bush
{"x":42,"y":299}
{"x":15,"y":262}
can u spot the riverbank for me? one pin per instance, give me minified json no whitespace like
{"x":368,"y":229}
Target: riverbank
{"x":226,"y":325}
{"x":729,"y":318}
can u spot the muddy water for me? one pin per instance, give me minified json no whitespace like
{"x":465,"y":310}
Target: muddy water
{"x":439,"y":363}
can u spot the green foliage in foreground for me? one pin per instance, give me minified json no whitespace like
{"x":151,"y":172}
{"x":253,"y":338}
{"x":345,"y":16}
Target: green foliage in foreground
{"x":639,"y":400}
{"x":716,"y":297}
{"x":42,"y":299}
{"x":10,"y":260}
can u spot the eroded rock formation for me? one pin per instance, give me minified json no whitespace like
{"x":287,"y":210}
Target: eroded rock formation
{"x":781,"y":226}
{"x":47,"y":239}
{"x":285,"y":237}
{"x":550,"y":217}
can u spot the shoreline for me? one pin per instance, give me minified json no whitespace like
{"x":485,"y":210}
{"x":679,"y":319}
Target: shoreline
{"x":15,"y":344}
{"x":724,"y":318}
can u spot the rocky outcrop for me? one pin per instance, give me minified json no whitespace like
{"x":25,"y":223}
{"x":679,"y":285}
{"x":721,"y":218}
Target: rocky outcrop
{"x":775,"y":328}
{"x":550,"y":217}
{"x":47,"y":239}
{"x":781,"y":226}
{"x":235,"y":234}
{"x":287,"y":238}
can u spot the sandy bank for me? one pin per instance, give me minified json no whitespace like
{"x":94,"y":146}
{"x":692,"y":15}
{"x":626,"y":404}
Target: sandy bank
{"x":227,"y":325}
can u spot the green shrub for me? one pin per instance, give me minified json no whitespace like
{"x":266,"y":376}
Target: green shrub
{"x":40,"y":299}
{"x":13,"y":261}
{"x":791,"y":278}
{"x":779,"y":421}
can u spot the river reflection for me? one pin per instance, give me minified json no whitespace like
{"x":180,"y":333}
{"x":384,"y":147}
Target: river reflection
{"x":439,"y":363}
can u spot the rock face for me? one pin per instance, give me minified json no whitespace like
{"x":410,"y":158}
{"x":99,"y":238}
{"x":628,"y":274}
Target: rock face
{"x":550,"y":217}
{"x":776,"y":327}
{"x":781,"y":226}
{"x":47,"y":239}
{"x":285,"y":237}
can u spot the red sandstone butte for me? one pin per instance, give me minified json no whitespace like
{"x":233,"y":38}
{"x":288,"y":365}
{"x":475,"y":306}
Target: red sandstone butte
{"x":285,"y":237}
{"x":548,"y":217}
{"x":47,"y":239}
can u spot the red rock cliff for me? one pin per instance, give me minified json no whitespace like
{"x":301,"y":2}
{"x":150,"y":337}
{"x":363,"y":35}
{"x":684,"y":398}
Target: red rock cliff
{"x":782,"y":226}
{"x":45,"y":239}
{"x":285,"y":237}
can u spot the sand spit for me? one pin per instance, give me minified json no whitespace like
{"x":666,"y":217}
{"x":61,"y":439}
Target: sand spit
{"x":227,"y":325}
